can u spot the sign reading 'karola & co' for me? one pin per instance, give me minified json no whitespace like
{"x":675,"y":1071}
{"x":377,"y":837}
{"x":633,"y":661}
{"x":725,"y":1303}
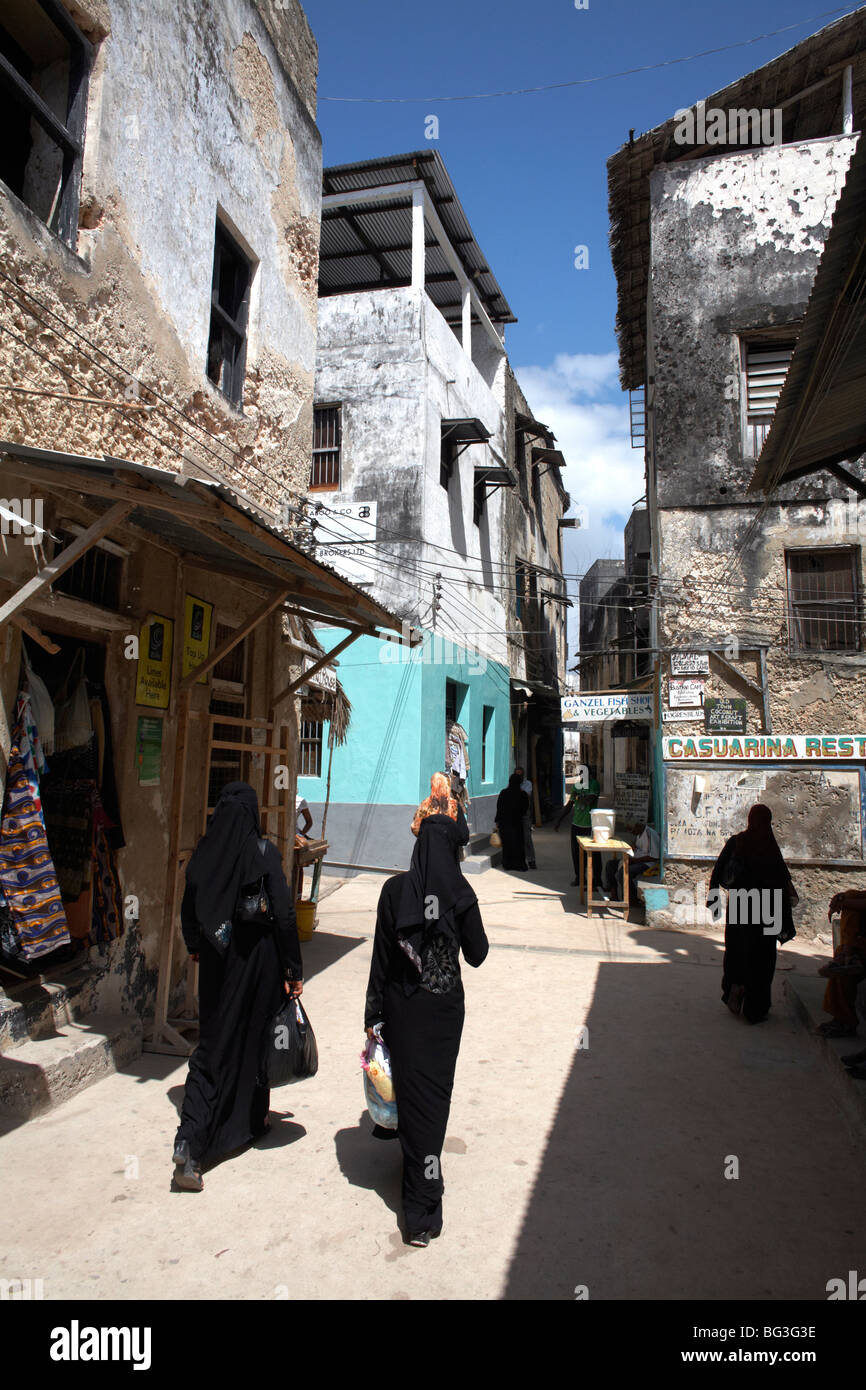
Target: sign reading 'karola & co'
{"x":764,"y":748}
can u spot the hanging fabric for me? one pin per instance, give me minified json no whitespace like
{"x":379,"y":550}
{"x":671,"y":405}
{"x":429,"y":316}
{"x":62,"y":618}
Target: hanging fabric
{"x":27,"y":878}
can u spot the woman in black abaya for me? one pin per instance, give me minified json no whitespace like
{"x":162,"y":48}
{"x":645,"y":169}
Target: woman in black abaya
{"x":244,"y":968}
{"x":511,"y":806}
{"x":425,"y":918}
{"x":754,"y":922}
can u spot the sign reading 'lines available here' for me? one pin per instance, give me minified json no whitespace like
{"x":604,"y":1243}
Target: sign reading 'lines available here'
{"x":765,"y":748}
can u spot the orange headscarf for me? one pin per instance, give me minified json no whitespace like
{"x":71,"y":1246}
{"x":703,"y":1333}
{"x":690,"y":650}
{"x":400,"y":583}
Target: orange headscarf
{"x":440,"y":802}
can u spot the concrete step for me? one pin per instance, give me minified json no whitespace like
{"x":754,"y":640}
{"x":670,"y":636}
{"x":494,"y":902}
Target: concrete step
{"x":37,"y":1008}
{"x":43,"y":1072}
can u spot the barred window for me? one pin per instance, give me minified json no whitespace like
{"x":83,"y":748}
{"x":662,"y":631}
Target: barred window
{"x":95,"y":578}
{"x":311,"y":748}
{"x":327,"y":443}
{"x":824,"y":599}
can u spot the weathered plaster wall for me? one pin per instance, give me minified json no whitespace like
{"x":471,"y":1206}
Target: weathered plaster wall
{"x":735,"y":245}
{"x":190,"y":110}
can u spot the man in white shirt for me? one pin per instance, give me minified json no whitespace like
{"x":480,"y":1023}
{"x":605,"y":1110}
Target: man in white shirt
{"x":303,"y":818}
{"x":647,"y":850}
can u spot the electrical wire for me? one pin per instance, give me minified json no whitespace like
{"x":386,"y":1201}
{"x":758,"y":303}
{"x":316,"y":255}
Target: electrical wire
{"x":603,"y":77}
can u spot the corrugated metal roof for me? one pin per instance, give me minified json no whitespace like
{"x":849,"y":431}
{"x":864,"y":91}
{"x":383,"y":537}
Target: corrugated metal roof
{"x":386,"y":226}
{"x":335,"y":599}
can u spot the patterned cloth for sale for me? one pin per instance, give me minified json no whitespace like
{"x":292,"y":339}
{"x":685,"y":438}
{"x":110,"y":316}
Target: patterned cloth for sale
{"x":27,"y":878}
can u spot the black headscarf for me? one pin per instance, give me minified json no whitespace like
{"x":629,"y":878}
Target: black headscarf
{"x":512,"y":803}
{"x":227,"y":856}
{"x":434,"y":890}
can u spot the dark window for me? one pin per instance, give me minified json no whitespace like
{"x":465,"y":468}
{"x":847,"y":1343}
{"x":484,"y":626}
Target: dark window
{"x":479,"y":492}
{"x":95,"y":577}
{"x":766,"y":368}
{"x":231,"y":666}
{"x":823,"y":598}
{"x":450,"y":703}
{"x":311,"y":749}
{"x":44,"y":67}
{"x":327,"y":440}
{"x":447,"y":459}
{"x":230,"y":303}
{"x":536,"y":487}
{"x":487,"y":743}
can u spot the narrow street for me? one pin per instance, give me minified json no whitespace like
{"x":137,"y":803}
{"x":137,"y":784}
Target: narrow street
{"x":566,"y":1166}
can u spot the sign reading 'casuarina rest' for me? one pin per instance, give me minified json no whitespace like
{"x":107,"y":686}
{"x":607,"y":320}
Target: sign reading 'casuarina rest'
{"x":766,"y":748}
{"x":593,"y":708}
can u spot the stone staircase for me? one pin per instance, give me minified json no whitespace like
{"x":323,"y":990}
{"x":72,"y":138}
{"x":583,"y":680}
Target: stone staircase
{"x":479,"y":855}
{"x":52,"y":1043}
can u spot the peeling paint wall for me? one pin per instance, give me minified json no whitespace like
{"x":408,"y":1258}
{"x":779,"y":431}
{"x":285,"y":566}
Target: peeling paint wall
{"x":190,"y":110}
{"x":736,"y":241}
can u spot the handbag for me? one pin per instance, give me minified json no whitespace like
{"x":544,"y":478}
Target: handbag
{"x":254,"y":905}
{"x":495,"y":839}
{"x":291,"y":1053}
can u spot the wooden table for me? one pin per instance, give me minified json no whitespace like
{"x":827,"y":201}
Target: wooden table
{"x":587,"y":847}
{"x":311,"y":853}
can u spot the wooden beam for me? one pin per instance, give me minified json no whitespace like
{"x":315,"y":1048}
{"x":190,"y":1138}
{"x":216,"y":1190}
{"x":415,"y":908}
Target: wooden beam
{"x":107,"y":486}
{"x":162,"y":1032}
{"x":64,"y":561}
{"x":239,"y":633}
{"x":732,"y":671}
{"x":318,"y":666}
{"x":35,"y":634}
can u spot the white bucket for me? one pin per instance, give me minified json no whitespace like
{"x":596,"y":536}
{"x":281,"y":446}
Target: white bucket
{"x":603,"y":823}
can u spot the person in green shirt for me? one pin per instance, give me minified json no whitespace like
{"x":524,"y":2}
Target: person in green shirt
{"x":582,"y":799}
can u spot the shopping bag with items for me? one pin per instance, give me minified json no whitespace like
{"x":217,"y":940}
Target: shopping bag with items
{"x":292,"y":1054}
{"x":378,"y":1085}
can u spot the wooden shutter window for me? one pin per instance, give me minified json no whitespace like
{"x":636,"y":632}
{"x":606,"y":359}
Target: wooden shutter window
{"x":766,"y":368}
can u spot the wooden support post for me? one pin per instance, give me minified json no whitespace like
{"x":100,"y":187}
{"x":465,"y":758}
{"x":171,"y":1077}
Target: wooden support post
{"x":165,"y":1037}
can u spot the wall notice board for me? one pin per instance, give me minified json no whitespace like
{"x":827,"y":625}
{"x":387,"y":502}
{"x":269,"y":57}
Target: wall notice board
{"x":819,"y":813}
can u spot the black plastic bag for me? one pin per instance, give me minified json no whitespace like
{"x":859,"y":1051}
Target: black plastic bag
{"x":291,"y":1051}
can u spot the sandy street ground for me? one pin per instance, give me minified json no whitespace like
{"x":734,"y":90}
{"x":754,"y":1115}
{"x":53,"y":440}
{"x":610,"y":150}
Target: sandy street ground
{"x":566,"y":1166}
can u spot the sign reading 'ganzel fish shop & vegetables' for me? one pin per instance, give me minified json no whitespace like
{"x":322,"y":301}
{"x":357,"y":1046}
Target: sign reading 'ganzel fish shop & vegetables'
{"x":766,"y":748}
{"x":595,"y":707}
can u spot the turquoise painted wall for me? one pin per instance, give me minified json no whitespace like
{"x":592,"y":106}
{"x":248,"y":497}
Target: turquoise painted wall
{"x":397,"y":734}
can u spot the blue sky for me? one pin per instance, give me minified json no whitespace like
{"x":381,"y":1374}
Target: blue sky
{"x":531,"y":174}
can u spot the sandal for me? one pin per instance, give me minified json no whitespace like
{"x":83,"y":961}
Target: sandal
{"x":834,"y":1029}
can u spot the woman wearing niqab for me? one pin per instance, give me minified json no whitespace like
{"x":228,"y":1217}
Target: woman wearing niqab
{"x":244,"y":969}
{"x":426,"y":917}
{"x":511,"y":806}
{"x":753,"y":860}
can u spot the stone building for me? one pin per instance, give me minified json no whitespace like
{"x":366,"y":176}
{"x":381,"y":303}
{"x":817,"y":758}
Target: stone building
{"x":159,"y":222}
{"x":719,"y":220}
{"x":412,"y":491}
{"x":614,"y":656}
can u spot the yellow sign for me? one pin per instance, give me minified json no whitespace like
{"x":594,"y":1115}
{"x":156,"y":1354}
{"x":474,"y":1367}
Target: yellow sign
{"x":153,"y":683}
{"x":197,"y":618}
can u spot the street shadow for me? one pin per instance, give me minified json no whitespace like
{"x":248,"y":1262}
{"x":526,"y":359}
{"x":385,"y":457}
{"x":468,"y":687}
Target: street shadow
{"x":325,"y":949}
{"x":374,"y":1164}
{"x":630,"y":1199}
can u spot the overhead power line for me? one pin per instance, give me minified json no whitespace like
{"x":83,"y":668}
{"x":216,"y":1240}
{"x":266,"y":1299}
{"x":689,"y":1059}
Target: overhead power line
{"x":602,"y":77}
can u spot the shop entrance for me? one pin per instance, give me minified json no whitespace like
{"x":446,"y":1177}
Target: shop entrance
{"x":60,"y":886}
